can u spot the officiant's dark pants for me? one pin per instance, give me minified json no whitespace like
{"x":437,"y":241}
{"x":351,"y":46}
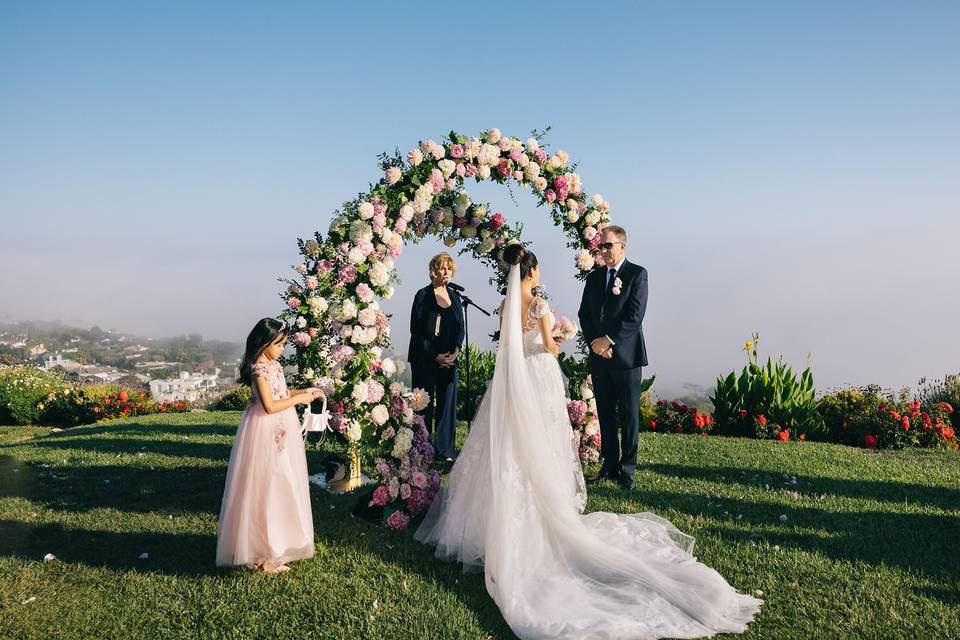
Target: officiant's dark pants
{"x":441,"y":414}
{"x":618,"y":407}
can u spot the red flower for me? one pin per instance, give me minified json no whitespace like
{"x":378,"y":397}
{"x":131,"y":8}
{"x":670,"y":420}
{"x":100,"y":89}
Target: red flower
{"x":762,"y":419}
{"x":802,"y":437}
{"x":784,"y":435}
{"x":947,"y":432}
{"x":743,"y":413}
{"x":678,"y":429}
{"x":946,"y":406}
{"x":122,"y":396}
{"x":96,"y":409}
{"x":698,"y":420}
{"x":870,"y":442}
{"x":905,"y":423}
{"x":653,"y":424}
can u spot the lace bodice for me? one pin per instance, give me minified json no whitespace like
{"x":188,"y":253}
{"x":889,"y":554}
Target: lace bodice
{"x":272,"y":372}
{"x":532,"y":337}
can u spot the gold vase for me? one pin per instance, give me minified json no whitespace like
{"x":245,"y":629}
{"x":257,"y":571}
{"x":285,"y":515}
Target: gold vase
{"x":354,"y":478}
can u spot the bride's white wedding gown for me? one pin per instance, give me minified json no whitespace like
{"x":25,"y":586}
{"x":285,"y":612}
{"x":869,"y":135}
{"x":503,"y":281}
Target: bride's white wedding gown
{"x":513,"y":506}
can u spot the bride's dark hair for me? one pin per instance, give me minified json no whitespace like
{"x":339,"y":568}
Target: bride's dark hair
{"x":517,"y":254}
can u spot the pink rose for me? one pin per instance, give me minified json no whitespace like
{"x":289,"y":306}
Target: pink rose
{"x":550,"y":195}
{"x":364,"y":292}
{"x":496,"y":221}
{"x":504,"y":168}
{"x":419,"y":480}
{"x":311,"y":283}
{"x":471,"y":170}
{"x":541,"y":156}
{"x":301,"y":338}
{"x":313,"y":331}
{"x":456,"y":151}
{"x":398,"y":521}
{"x":381,"y":496}
{"x":404,"y":491}
{"x":293,"y":303}
{"x":461,"y":169}
{"x":324,"y":267}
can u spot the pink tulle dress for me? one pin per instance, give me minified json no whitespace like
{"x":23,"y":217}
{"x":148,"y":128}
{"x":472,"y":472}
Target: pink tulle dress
{"x":266,"y":515}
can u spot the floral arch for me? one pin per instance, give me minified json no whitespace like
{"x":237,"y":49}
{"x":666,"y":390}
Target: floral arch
{"x":337,"y":326}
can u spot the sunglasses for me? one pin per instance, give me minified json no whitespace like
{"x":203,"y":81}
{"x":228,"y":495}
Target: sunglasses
{"x":606,"y":246}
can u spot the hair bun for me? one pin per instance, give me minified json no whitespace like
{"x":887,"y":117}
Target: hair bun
{"x":514,"y":253}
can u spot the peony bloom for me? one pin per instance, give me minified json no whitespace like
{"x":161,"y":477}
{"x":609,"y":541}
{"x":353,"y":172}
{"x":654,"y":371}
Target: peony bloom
{"x":366,"y":211}
{"x":493,"y":136}
{"x":359,"y":393}
{"x":364,"y":292}
{"x":393,"y":175}
{"x":420,"y":399}
{"x":381,"y":496}
{"x":589,"y":233}
{"x":483,"y":172}
{"x":379,"y":414}
{"x":550,"y":195}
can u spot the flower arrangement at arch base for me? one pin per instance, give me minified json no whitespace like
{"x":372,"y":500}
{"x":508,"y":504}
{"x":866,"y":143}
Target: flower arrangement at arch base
{"x":338,"y":328}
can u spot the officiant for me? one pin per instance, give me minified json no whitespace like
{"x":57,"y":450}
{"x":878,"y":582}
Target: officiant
{"x":436,"y":335}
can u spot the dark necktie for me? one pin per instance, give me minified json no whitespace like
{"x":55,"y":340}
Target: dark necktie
{"x":612,"y":275}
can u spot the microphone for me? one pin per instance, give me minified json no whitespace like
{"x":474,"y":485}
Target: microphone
{"x":456,"y":287}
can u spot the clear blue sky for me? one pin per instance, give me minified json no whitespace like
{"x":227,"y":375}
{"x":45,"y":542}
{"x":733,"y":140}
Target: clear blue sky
{"x":790,"y":169}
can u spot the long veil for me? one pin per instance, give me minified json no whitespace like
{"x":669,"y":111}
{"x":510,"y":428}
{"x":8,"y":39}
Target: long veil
{"x":553,"y":572}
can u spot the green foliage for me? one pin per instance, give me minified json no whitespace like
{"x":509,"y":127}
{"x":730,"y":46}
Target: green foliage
{"x":21,"y":390}
{"x":774,"y":391}
{"x":947,"y":390}
{"x":481,"y":373}
{"x":235,"y":399}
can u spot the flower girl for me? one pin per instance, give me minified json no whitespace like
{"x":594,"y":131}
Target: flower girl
{"x":265,"y":517}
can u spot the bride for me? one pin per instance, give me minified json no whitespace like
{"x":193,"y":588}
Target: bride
{"x":514,"y":500}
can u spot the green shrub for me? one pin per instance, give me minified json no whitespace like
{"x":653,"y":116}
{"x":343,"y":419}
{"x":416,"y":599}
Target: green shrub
{"x":236,"y":399}
{"x":947,"y":390}
{"x":67,"y":407}
{"x":481,"y":373}
{"x":22,"y":389}
{"x":785,"y":401}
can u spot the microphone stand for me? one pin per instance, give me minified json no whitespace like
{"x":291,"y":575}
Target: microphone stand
{"x":466,"y":329}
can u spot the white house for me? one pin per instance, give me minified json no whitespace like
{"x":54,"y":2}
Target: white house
{"x":51,"y":360}
{"x":188,"y":386}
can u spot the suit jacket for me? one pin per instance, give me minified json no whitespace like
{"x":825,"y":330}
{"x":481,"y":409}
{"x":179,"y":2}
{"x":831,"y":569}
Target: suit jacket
{"x":424,"y":345}
{"x":620,"y":317}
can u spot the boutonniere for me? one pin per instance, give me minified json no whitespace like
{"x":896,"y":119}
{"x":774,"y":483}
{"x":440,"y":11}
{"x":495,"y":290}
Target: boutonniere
{"x":617,"y":283}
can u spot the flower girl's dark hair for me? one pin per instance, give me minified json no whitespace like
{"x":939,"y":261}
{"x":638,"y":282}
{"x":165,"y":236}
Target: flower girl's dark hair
{"x":264,"y":333}
{"x":517,"y":254}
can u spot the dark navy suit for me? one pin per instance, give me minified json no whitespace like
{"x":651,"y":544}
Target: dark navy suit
{"x":617,"y":381}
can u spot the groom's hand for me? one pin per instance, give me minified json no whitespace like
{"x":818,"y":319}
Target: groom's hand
{"x":600,"y":345}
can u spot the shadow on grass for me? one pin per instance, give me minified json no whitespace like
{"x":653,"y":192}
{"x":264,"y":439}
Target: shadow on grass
{"x":945,"y":498}
{"x":132,"y":489}
{"x":145,"y":429}
{"x":173,"y":554}
{"x":132,"y":446}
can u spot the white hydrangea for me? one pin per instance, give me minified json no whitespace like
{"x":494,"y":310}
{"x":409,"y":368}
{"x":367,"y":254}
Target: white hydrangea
{"x":318,"y":305}
{"x":592,"y":218}
{"x":402,"y":442}
{"x":486,"y":246}
{"x":348,"y":310}
{"x":360,"y":231}
{"x":359,"y":393}
{"x":379,"y":274}
{"x":532,"y":171}
{"x":356,"y":256}
{"x":368,"y":316}
{"x":354,"y":432}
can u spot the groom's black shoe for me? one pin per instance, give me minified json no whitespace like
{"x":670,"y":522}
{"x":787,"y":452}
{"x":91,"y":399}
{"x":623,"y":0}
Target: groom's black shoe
{"x":627,"y":482}
{"x":605,"y":474}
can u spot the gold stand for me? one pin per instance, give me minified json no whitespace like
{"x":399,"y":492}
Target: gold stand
{"x":354,"y":479}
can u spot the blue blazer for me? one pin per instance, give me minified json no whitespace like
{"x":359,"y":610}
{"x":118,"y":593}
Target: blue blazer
{"x":424,"y":346}
{"x":618,"y":317}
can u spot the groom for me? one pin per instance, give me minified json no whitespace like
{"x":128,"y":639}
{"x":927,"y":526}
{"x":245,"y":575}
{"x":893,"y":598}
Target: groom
{"x":611,"y":315}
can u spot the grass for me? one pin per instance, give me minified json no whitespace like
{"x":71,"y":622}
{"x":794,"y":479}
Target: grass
{"x":868,"y":549}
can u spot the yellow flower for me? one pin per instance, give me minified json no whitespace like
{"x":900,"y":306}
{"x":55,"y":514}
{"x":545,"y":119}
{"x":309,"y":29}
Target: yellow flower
{"x":748,"y":346}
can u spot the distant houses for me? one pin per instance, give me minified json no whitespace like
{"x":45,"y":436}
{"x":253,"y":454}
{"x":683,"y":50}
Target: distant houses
{"x":187,"y":386}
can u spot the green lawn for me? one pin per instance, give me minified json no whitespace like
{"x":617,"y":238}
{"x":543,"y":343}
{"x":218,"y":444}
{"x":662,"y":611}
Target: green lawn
{"x":868,"y":549}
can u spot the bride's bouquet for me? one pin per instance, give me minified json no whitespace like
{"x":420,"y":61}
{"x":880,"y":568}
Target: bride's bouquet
{"x":564,"y":329}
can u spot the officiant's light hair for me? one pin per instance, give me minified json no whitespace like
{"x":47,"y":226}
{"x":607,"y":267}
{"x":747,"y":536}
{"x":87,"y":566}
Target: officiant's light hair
{"x":620,"y":232}
{"x":441,"y":260}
